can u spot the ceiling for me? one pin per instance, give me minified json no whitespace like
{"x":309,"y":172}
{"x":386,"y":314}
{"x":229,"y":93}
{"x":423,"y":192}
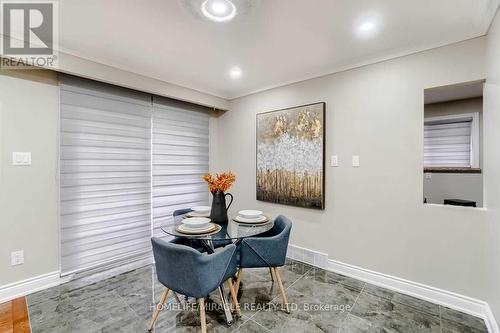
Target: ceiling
{"x":274,"y":42}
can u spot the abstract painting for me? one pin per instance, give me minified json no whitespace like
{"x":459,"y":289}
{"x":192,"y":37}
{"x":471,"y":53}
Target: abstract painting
{"x":290,"y":156}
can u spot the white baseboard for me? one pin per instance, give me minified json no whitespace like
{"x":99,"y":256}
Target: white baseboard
{"x":435,"y":295}
{"x":25,"y":287}
{"x":491,"y":322}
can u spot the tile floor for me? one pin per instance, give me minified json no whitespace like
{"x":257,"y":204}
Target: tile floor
{"x":321,"y":302}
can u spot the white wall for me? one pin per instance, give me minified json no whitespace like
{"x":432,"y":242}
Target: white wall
{"x":492,"y":167}
{"x":29,"y":194}
{"x":374,"y":216}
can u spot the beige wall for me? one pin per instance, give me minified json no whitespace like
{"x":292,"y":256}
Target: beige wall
{"x":29,"y":194}
{"x":492,"y":167}
{"x":374,"y":216}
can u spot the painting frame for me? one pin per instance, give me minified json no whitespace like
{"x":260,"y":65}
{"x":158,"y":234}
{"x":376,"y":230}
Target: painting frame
{"x":323,"y":152}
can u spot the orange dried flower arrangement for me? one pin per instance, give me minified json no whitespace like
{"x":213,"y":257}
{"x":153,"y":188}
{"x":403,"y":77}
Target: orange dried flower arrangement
{"x":221,"y":182}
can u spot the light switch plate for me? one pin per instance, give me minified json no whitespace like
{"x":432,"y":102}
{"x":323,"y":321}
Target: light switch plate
{"x":21,"y":158}
{"x":355,"y":161}
{"x":334,"y":161}
{"x":17,"y":258}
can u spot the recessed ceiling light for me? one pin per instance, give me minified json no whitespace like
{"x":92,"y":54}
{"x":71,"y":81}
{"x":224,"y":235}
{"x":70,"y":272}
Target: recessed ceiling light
{"x":218,"y":10}
{"x":235,"y":73}
{"x":367,"y":26}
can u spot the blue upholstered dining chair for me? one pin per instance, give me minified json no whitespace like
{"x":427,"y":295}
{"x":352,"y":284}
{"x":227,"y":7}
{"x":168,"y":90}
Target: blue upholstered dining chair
{"x":191,"y":273}
{"x":182,"y":211}
{"x":267,"y":250}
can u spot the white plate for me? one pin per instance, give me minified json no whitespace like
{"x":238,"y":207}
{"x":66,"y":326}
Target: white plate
{"x":196,"y":222}
{"x":195,"y":214}
{"x":260,"y":219}
{"x":197,"y":231}
{"x":250,"y":213}
{"x":201,"y":209}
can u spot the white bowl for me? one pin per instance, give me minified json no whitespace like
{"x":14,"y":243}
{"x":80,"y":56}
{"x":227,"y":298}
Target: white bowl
{"x":250,"y":213}
{"x":196,"y":222}
{"x":201,"y":209}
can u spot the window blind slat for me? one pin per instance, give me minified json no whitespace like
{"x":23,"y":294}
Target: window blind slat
{"x":125,"y":222}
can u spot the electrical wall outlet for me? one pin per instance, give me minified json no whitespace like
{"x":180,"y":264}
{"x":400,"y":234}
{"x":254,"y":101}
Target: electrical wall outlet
{"x":334,"y":161}
{"x":17,"y":258}
{"x":21,"y":158}
{"x":355,"y":161}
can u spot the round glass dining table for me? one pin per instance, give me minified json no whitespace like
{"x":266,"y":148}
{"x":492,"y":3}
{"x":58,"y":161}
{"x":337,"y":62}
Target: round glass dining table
{"x":226,"y":233}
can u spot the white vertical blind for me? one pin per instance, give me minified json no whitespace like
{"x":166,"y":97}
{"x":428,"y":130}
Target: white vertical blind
{"x":448,"y":143}
{"x":180,"y":158}
{"x":105,"y":163}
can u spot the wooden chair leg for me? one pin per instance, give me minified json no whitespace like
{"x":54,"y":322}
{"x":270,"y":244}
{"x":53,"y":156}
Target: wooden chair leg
{"x":234,"y":297}
{"x":284,"y":301}
{"x":203,"y":320}
{"x":158,"y":308}
{"x":271,"y":271}
{"x":238,"y":280}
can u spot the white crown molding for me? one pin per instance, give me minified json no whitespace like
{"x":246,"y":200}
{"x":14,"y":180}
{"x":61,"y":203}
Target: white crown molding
{"x":488,"y":16}
{"x":25,"y":287}
{"x":359,"y":64}
{"x":449,"y":299}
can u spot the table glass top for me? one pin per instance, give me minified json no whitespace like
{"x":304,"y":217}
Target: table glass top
{"x":230,"y":230}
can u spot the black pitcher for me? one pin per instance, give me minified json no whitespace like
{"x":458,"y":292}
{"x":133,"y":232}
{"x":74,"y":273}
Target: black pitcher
{"x":218,"y":214}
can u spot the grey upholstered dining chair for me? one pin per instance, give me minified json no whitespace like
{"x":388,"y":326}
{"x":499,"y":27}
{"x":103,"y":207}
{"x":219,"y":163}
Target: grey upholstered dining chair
{"x":194,"y":274}
{"x":267,"y":250}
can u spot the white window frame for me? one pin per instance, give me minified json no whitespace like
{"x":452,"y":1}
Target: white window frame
{"x":475,"y":147}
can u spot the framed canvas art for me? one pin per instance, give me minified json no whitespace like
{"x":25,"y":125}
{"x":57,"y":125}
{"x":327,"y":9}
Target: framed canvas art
{"x":291,"y":156}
